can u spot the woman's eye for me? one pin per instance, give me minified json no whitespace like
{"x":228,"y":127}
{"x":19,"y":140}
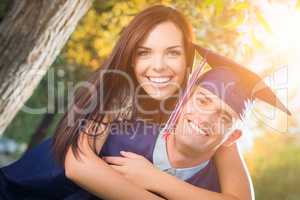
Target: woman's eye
{"x":174,"y":53}
{"x":143,"y":53}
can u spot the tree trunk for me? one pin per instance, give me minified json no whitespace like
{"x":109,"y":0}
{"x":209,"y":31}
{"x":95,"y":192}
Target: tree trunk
{"x":31,"y":36}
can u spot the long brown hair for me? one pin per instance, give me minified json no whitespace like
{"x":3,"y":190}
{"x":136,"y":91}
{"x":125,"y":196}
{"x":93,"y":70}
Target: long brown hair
{"x":115,"y":90}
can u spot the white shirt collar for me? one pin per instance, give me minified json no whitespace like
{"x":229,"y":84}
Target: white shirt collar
{"x":161,"y":160}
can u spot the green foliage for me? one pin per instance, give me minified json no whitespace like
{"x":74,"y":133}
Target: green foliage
{"x":274,"y":166}
{"x":3,"y":8}
{"x":263,"y":21}
{"x":216,"y":24}
{"x":298,"y":4}
{"x":22,"y":127}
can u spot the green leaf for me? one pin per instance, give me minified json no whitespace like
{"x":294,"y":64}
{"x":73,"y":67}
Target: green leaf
{"x":298,"y":4}
{"x":219,"y":7}
{"x":208,"y":3}
{"x":235,"y":22}
{"x":240,"y":6}
{"x":257,"y":44}
{"x":261,"y":19}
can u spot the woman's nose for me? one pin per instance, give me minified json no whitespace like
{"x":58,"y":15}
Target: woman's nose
{"x":158,"y":63}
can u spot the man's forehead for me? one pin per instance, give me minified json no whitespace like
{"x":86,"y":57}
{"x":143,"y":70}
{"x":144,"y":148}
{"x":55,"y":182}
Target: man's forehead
{"x":200,"y":91}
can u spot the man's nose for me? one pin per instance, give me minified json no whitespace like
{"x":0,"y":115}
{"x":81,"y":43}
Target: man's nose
{"x":209,"y":117}
{"x":206,"y":122}
{"x":203,"y":119}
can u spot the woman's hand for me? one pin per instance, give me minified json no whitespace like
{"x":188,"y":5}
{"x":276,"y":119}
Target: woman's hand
{"x":135,"y":168}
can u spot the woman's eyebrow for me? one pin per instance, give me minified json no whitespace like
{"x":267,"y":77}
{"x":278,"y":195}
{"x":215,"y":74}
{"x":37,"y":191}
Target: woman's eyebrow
{"x":175,"y":46}
{"x":148,"y":48}
{"x":143,"y":47}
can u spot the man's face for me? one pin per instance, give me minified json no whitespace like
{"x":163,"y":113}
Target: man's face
{"x":205,"y":121}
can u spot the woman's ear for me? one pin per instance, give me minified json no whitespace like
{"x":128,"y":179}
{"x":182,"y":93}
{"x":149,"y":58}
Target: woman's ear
{"x":234,"y":136}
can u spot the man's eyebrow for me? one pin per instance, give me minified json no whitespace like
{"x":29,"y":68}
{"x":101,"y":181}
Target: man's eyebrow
{"x":206,"y":97}
{"x":226,"y":113}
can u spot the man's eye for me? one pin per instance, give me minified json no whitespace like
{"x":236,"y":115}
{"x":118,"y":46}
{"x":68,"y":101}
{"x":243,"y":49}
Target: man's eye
{"x":202,"y":101}
{"x":174,"y":53}
{"x":225,"y":119}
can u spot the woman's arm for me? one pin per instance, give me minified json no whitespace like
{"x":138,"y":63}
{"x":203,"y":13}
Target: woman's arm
{"x":173,"y":188}
{"x":234,"y":180}
{"x":233,"y":173}
{"x":233,"y":176}
{"x":94,"y":175}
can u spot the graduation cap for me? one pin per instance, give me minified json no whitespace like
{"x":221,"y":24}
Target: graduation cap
{"x":246,"y":85}
{"x":228,"y":80}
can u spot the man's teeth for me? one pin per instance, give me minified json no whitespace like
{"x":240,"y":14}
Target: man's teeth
{"x":159,"y":79}
{"x":196,"y":128}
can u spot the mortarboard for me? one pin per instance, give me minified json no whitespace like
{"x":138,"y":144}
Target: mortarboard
{"x":247,"y":84}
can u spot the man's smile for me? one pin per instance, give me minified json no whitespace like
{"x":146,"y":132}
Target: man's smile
{"x":194,"y":125}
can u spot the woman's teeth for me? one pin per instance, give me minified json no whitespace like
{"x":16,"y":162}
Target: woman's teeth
{"x":159,"y":80}
{"x":196,"y":128}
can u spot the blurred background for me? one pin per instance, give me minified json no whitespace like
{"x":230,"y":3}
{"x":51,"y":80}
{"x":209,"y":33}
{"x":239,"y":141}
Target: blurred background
{"x":262,"y":35}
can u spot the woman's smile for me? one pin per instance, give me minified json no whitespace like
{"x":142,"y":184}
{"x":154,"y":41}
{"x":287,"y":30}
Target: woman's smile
{"x":159,"y":80}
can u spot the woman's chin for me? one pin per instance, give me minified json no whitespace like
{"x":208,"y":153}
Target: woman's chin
{"x":160,"y":96}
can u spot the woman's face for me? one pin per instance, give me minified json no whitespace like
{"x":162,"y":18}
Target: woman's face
{"x":160,"y":63}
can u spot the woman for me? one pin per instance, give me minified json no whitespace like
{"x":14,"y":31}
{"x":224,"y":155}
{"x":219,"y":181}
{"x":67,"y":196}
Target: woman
{"x":156,"y":48}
